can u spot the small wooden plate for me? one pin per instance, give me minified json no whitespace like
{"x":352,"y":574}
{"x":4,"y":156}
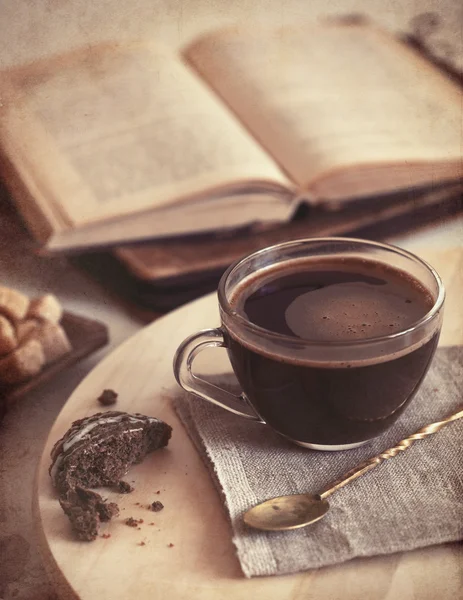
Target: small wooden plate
{"x":85,"y":335}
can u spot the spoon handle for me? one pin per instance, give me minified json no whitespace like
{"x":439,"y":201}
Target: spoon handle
{"x":376,"y":460}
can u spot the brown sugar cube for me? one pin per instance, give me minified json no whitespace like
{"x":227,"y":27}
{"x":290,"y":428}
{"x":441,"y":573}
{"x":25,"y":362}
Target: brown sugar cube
{"x":13,"y":304}
{"x":45,"y":308}
{"x":24,"y":362}
{"x":25,"y":329}
{"x":8,"y":339}
{"x":53,"y":339}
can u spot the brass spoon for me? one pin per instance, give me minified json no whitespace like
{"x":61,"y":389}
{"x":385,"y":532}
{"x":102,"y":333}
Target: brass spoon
{"x":299,"y":510}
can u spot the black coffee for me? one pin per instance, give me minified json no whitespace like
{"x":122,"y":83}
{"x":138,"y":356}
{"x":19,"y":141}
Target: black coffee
{"x":333,"y":300}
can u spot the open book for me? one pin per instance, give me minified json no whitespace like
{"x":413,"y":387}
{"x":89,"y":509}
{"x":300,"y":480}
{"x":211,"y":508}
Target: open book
{"x":114,"y":143}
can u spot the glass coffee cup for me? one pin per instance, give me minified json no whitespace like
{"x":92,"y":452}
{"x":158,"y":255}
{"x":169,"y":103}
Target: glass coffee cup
{"x":329,"y":338}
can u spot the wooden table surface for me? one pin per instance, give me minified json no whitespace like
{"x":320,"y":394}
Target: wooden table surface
{"x":32,"y":29}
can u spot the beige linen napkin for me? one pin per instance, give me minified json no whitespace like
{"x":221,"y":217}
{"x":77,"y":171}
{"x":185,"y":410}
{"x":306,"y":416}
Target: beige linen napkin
{"x":412,"y":500}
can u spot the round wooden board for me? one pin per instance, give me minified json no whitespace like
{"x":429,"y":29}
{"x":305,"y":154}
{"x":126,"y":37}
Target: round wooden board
{"x":201,"y":562}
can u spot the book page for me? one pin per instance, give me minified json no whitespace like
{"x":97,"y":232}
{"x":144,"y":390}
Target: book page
{"x":116,"y":130}
{"x":323,"y":98}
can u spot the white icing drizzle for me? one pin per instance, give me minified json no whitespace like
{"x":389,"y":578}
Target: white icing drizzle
{"x":83,"y":432}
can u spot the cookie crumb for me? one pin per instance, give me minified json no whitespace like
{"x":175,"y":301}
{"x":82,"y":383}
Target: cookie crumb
{"x":156,"y":506}
{"x":131,"y":522}
{"x":124,"y":488}
{"x":107,"y":397}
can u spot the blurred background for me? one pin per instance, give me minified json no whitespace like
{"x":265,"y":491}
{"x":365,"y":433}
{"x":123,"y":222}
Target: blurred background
{"x":30,"y":29}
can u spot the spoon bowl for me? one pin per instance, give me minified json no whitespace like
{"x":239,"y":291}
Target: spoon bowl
{"x":287,"y":512}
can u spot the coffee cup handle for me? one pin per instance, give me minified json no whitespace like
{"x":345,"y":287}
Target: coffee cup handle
{"x":183,"y":363}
